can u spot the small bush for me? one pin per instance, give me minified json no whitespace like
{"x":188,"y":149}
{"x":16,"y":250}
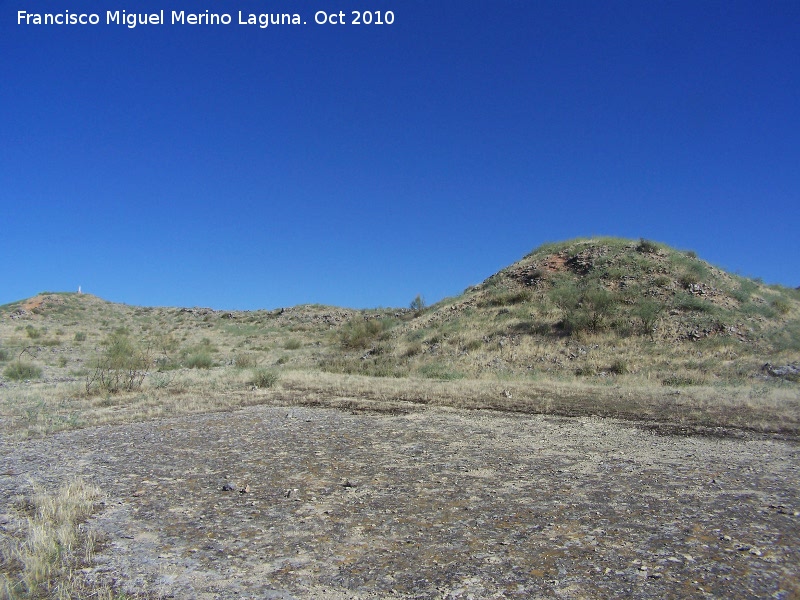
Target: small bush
{"x":3,"y":355}
{"x":691,"y":254}
{"x":199,"y":360}
{"x":412,"y":349}
{"x":80,"y":336}
{"x":244,"y":361}
{"x":687,"y":302}
{"x":647,"y":247}
{"x":32,"y":332}
{"x":418,"y":305}
{"x":21,"y":371}
{"x":647,"y":311}
{"x":744,"y":291}
{"x":662,"y":281}
{"x":264,"y":378}
{"x":507,"y":298}
{"x":618,"y":367}
{"x":781,"y":305}
{"x":292,"y":344}
{"x":360,"y":334}
{"x":122,"y":365}
{"x":686,"y":280}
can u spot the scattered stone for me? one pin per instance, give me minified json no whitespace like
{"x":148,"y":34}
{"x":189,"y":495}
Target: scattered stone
{"x":791,"y":371}
{"x":227,"y":487}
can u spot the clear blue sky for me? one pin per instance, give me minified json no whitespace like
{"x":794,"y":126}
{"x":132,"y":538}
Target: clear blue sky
{"x":237,"y":167}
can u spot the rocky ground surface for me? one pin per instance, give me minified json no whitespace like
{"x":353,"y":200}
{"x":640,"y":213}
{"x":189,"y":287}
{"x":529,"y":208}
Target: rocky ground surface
{"x":317,"y":503}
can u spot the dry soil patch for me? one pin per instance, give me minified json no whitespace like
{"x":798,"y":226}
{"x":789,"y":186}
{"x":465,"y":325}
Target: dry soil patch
{"x":430,"y":504}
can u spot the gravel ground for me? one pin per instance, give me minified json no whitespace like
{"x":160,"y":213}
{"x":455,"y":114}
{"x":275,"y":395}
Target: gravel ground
{"x":318,"y":503}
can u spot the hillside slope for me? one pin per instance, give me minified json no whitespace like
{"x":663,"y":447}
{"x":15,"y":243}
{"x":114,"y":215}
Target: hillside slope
{"x":596,"y":308}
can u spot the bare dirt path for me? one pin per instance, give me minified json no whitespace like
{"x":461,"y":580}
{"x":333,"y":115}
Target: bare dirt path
{"x":429,"y":504}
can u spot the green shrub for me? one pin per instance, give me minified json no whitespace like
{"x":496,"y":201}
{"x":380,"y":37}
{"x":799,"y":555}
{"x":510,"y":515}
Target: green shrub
{"x":80,"y":336}
{"x":418,"y":305}
{"x":787,"y":337}
{"x":647,"y":247}
{"x":32,"y":332}
{"x":687,"y":302}
{"x":3,"y":355}
{"x":361,"y":334}
{"x":782,"y":306}
{"x":264,"y":378}
{"x":20,"y":371}
{"x":744,"y":291}
{"x":647,"y":311}
{"x":122,"y":365}
{"x":199,"y":360}
{"x":618,"y":367}
{"x":292,"y":344}
{"x":506,"y":298}
{"x":662,"y":281}
{"x":677,"y":381}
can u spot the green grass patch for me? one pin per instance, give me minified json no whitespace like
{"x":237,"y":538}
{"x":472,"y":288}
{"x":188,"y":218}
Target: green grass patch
{"x":21,"y":371}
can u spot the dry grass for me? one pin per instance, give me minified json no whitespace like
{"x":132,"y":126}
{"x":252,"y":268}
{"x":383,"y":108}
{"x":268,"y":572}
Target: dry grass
{"x":43,"y":408}
{"x":47,"y":543}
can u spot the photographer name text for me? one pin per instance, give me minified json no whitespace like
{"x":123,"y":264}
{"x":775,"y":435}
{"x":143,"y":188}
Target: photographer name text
{"x":131,"y":20}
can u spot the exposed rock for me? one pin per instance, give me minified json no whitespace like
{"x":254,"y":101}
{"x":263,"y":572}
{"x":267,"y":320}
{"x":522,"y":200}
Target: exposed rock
{"x":791,"y":371}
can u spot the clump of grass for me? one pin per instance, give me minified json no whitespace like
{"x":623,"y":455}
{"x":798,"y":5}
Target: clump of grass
{"x":677,"y":381}
{"x":4,"y":356}
{"x":781,"y":306}
{"x":360,"y":334}
{"x":292,"y":344}
{"x":244,"y":361}
{"x":618,"y":367}
{"x":439,"y":371}
{"x":47,"y":544}
{"x":32,"y":332}
{"x":21,"y":371}
{"x":264,"y":378}
{"x":199,"y":360}
{"x":80,"y":336}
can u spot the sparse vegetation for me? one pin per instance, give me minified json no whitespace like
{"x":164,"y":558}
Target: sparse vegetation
{"x":418,"y":305}
{"x":121,"y":366}
{"x":265,"y":378}
{"x":46,"y":544}
{"x":21,"y":371}
{"x":576,"y":313}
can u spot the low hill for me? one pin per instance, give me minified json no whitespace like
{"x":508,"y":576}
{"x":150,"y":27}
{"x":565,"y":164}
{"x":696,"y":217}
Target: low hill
{"x":590,"y":326}
{"x":596,"y":308}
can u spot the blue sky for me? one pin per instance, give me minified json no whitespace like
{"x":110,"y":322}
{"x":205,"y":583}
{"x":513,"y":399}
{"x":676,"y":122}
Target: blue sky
{"x":240,"y":168}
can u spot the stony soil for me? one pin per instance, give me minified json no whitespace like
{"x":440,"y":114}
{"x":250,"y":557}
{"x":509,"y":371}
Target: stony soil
{"x":295,"y":502}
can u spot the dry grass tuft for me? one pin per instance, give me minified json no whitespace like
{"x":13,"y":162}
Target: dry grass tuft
{"x":47,"y":543}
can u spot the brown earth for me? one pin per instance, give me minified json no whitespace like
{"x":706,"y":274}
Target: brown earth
{"x":432,"y":503}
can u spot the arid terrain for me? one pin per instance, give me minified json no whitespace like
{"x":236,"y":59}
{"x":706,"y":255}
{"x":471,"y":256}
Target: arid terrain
{"x":433,"y":503}
{"x":604,"y":418}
